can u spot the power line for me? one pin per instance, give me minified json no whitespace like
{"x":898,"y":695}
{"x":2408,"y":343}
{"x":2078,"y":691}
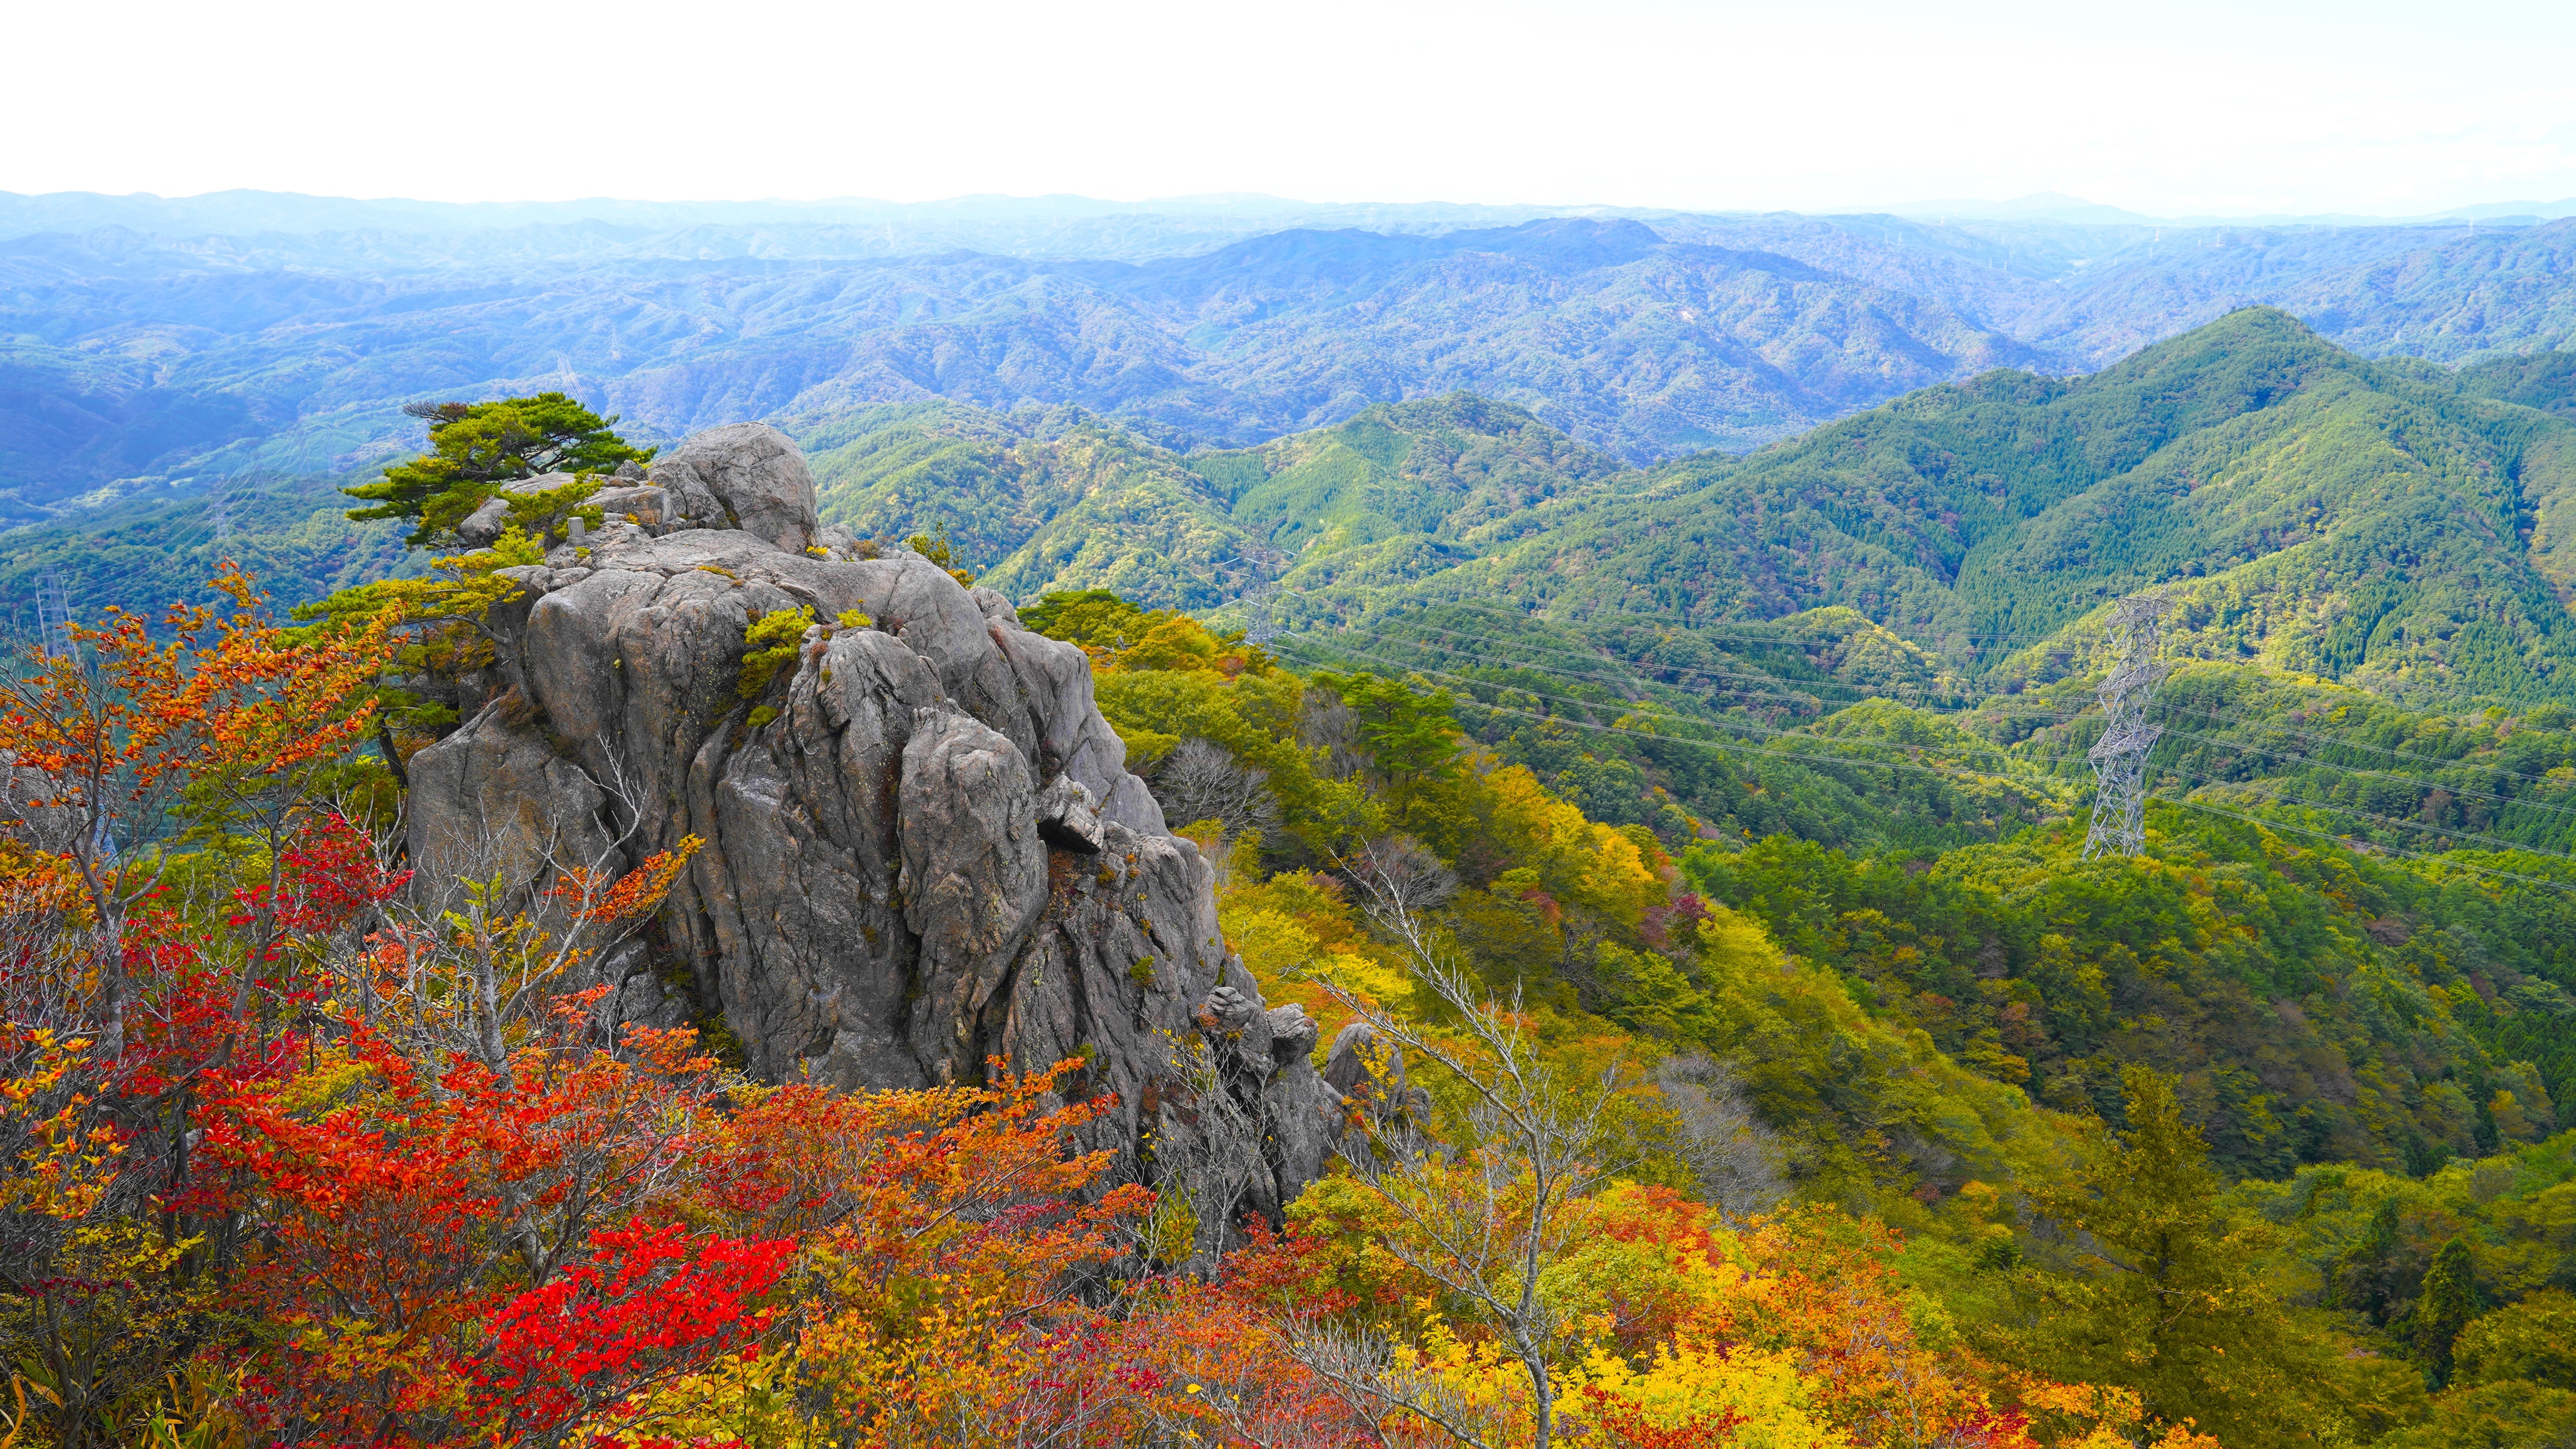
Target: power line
{"x":1629,"y":707}
{"x":1640,"y":668}
{"x":1744,"y":726}
{"x":2389,"y":821}
{"x":1953,"y":773}
{"x":1632,"y":707}
{"x":2445,"y":860}
{"x":2347,"y":742}
{"x":1632,"y":672}
{"x":2507,"y":800}
{"x":217,"y":496}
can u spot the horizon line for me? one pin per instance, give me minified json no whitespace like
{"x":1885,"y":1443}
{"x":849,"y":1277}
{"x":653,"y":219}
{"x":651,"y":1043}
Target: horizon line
{"x":2038,"y":207}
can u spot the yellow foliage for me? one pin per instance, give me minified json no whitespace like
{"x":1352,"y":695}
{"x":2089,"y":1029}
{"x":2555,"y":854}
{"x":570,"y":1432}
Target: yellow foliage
{"x":1579,"y":861}
{"x":1295,"y":931}
{"x":68,"y":1160}
{"x":1699,"y":1378}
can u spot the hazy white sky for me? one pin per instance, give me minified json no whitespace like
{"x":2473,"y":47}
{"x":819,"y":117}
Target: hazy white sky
{"x":2171,"y":109}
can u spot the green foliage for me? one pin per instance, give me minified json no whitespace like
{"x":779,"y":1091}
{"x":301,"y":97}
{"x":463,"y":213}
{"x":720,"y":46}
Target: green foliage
{"x":2534,"y":1339}
{"x":544,"y":516}
{"x":1409,"y":743}
{"x":2449,"y":1300}
{"x":2154,"y":1285}
{"x":475,"y":448}
{"x":1870,"y":1111}
{"x":769,"y":644}
{"x":444,"y":622}
{"x":2257,"y":970}
{"x":1069,"y":503}
{"x":293,"y":535}
{"x":2306,"y":508}
{"x":1063,"y":501}
{"x":2542,"y":380}
{"x":1093,"y":618}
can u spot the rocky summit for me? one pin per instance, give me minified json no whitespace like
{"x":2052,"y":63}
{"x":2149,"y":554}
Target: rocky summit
{"x":919,"y":849}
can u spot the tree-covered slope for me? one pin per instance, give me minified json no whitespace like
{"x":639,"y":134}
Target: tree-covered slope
{"x":2306,"y":507}
{"x":1063,"y":500}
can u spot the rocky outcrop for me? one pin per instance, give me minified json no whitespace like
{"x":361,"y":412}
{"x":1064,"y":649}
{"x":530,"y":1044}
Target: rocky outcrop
{"x":920,"y":845}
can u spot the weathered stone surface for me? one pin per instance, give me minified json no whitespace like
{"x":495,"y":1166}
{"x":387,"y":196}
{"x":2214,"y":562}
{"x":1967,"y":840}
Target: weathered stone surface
{"x":928,"y":853}
{"x":485,"y":524}
{"x":633,"y":504}
{"x":746,"y":476}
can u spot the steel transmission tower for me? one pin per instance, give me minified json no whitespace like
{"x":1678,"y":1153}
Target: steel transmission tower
{"x":218,"y":517}
{"x":2120,"y":756}
{"x":54,"y":616}
{"x":1260,"y":628}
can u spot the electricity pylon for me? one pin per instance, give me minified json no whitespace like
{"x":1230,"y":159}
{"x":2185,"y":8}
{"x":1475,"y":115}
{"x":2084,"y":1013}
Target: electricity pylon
{"x":1260,"y":628}
{"x":54,"y":616}
{"x":218,"y":511}
{"x":2120,"y":756}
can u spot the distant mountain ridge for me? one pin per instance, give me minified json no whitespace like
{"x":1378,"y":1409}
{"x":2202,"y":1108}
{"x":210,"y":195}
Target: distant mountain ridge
{"x":132,"y":362}
{"x":2388,"y":524}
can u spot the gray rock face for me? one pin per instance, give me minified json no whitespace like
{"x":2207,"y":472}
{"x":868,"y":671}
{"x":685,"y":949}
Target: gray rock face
{"x":928,"y":852}
{"x":747,"y":476}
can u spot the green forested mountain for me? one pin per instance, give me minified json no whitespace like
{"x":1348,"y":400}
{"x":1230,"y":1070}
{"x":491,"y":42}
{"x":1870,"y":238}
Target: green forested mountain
{"x":2316,"y":512}
{"x":1806,"y":734}
{"x":1063,"y":500}
{"x":2385,"y":525}
{"x":291,"y":534}
{"x":2543,"y":380}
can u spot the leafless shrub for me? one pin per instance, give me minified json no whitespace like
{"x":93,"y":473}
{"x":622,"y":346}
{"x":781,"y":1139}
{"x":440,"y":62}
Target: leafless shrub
{"x":1736,"y":1159}
{"x":1325,"y":723}
{"x":1399,"y":879}
{"x":1203,"y":781}
{"x":1489,"y":1212}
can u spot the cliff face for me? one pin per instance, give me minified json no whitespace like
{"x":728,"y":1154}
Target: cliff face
{"x":926,"y":853}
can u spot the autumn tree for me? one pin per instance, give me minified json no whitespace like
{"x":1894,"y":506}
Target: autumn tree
{"x":223,"y":723}
{"x":1487,"y":1212}
{"x":173,"y":854}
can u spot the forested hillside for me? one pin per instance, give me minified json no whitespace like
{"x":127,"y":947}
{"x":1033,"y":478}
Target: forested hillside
{"x":425,"y":1018}
{"x":2357,"y":521}
{"x":2368,"y":1048}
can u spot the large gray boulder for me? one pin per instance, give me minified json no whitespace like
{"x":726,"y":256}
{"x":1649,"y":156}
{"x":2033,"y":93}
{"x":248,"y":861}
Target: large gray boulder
{"x":746,"y":476}
{"x":925,"y":854}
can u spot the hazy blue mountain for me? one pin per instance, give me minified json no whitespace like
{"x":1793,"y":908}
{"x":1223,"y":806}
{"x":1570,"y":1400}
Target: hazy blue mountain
{"x":132,"y":357}
{"x":1059,"y":226}
{"x":142,"y":359}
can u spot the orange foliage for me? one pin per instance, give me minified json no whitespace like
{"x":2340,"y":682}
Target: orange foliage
{"x":421,"y":1197}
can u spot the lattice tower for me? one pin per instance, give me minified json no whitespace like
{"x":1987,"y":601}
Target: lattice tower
{"x":54,"y":616}
{"x":1260,"y":628}
{"x":218,"y":512}
{"x":2120,"y":756}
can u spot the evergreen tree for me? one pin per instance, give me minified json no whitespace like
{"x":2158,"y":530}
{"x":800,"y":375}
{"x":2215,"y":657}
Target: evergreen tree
{"x":2449,"y":1302}
{"x":2157,"y":1289}
{"x":476,"y":448}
